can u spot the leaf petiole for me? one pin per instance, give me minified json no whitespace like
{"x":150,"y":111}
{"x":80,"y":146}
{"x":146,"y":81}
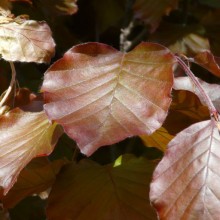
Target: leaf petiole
{"x":13,"y":76}
{"x":207,"y":100}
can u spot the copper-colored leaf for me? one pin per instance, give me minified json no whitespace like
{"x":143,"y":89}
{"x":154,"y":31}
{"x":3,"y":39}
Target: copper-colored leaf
{"x":23,"y":136}
{"x":115,"y":191}
{"x":186,"y":182}
{"x":185,"y":110}
{"x":38,"y":176}
{"x":101,"y":96}
{"x":26,"y":41}
{"x":159,"y":139}
{"x":212,"y":90}
{"x":151,"y":11}
{"x":208,"y":61}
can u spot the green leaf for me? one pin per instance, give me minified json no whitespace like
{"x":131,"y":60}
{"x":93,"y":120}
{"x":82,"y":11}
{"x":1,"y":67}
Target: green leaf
{"x":90,"y":191}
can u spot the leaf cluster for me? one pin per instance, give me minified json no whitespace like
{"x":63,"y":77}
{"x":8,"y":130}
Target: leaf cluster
{"x":109,"y":111}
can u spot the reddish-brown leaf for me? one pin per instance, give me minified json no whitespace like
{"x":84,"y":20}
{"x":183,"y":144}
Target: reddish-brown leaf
{"x":89,"y":191}
{"x":101,"y":96}
{"x":25,"y":40}
{"x":37,"y":177}
{"x":186,"y":182}
{"x":212,"y":90}
{"x":23,"y":136}
{"x":208,"y":61}
{"x":152,"y":11}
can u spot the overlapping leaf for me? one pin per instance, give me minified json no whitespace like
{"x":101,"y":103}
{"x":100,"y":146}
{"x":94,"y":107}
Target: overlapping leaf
{"x":208,"y":61}
{"x":101,"y":96}
{"x":159,"y":139}
{"x":186,"y":182}
{"x":23,"y":136}
{"x":212,"y":90}
{"x":58,"y":7}
{"x":90,"y":191}
{"x":152,"y":11}
{"x":38,"y":176}
{"x":25,"y":40}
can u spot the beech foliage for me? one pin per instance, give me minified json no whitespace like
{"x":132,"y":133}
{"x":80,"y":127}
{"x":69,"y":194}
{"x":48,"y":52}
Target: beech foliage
{"x":109,"y":111}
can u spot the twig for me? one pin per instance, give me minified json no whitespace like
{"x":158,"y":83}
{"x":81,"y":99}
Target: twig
{"x":13,"y":76}
{"x":207,"y":100}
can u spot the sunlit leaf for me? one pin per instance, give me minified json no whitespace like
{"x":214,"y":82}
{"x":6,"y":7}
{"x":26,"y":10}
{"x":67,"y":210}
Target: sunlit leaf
{"x":26,"y":41}
{"x":23,"y":136}
{"x":38,"y":176}
{"x":151,"y":11}
{"x":186,"y":182}
{"x":90,"y":191}
{"x":101,"y":96}
{"x":159,"y":139}
{"x":208,"y":61}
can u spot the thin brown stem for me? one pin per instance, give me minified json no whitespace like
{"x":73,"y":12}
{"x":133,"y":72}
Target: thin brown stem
{"x":211,"y":107}
{"x":13,"y":76}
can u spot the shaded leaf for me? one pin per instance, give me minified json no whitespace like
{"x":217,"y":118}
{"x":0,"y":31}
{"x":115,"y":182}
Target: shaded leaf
{"x":37,"y":177}
{"x":101,"y":96}
{"x":23,"y":136}
{"x":208,"y":61}
{"x":90,"y":191}
{"x":185,"y":110}
{"x":211,"y":3}
{"x":186,"y":182}
{"x":212,"y":90}
{"x":5,"y":7}
{"x":159,"y":139}
{"x":26,"y":41}
{"x":108,"y":14}
{"x":181,"y":39}
{"x":190,"y":44}
{"x":151,"y":11}
{"x":58,"y":7}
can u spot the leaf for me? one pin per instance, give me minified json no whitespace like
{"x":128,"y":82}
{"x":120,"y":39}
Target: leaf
{"x":115,"y":191}
{"x":185,"y":110}
{"x":108,"y":14}
{"x":212,"y":90}
{"x":101,"y":96}
{"x":26,"y":41}
{"x":186,"y":182}
{"x":151,"y":11}
{"x":5,"y":5}
{"x":190,"y":44}
{"x":58,"y":7}
{"x":208,"y":61}
{"x":159,"y":139}
{"x":23,"y":136}
{"x":210,"y":3}
{"x":37,"y":177}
